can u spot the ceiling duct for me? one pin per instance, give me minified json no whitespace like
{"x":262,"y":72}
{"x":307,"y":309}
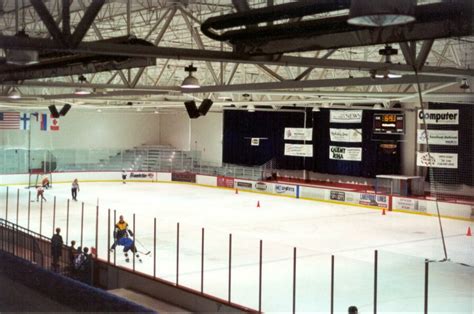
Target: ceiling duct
{"x":55,"y":64}
{"x":331,"y":31}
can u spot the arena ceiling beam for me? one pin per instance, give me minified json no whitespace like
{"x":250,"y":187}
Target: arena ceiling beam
{"x":362,"y":81}
{"x":220,"y":56}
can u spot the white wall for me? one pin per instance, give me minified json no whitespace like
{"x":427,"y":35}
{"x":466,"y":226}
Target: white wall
{"x":89,"y":130}
{"x":206,"y":136}
{"x":175,"y":130}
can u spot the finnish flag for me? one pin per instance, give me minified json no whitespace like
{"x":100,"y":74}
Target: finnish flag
{"x":25,"y":122}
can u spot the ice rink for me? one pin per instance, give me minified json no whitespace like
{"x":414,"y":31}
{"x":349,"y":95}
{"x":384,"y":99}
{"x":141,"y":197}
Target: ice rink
{"x":316,"y":229}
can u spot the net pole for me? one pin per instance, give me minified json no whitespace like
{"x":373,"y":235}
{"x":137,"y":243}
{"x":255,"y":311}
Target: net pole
{"x":17,"y":205}
{"x":154,"y":247}
{"x":67,"y":221}
{"x":202,"y":260}
{"x":29,"y":208}
{"x":430,"y":170}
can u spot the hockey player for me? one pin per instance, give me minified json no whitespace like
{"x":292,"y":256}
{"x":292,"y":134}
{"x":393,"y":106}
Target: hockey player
{"x":45,"y":183}
{"x":122,"y":237}
{"x":124,"y":176}
{"x":74,"y":189}
{"x":129,"y":245}
{"x":40,"y":192}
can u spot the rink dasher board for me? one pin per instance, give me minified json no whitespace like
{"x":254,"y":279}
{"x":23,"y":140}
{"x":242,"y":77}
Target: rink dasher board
{"x":330,"y":195}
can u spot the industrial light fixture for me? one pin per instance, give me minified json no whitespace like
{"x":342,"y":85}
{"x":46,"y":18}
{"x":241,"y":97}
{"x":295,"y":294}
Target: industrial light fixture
{"x":385,"y":73}
{"x":316,"y":109}
{"x":190,"y":81}
{"x":464,"y":84}
{"x":251,"y":108}
{"x":14,"y":94}
{"x":81,"y":90}
{"x":381,"y":13}
{"x":156,"y":111}
{"x":21,"y":56}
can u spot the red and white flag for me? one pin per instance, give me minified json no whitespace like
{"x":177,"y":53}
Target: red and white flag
{"x":54,"y":126}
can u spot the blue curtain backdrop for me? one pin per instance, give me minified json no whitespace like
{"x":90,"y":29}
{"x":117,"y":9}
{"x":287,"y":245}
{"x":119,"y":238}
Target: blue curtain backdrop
{"x":240,"y":126}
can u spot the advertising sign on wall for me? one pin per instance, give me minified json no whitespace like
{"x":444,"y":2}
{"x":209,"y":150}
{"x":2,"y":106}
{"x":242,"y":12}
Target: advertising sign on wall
{"x":345,"y":116}
{"x":284,"y":189}
{"x":442,"y":116}
{"x":244,"y":185}
{"x":437,"y":160}
{"x":255,"y":141}
{"x":338,"y":196}
{"x":299,"y":134}
{"x":183,"y":177}
{"x":438,"y":137}
{"x":142,"y":176}
{"x":261,"y":186}
{"x":373,"y":200}
{"x":225,"y":182}
{"x":345,"y":153}
{"x":346,"y":135}
{"x":299,"y":150}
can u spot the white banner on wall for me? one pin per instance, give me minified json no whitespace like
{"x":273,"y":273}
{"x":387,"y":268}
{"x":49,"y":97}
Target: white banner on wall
{"x":345,"y":116}
{"x":437,"y":160}
{"x":345,"y":153}
{"x":299,"y":134}
{"x":438,"y":137}
{"x":299,"y":150}
{"x":441,"y":116}
{"x":346,"y":135}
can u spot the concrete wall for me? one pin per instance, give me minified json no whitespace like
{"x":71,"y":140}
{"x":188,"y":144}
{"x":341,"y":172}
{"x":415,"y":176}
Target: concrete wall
{"x":89,"y":130}
{"x":206,"y":137}
{"x":175,"y":130}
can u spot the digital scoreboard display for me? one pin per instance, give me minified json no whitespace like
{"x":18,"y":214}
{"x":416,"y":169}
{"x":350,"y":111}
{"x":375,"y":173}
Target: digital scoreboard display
{"x":389,"y":123}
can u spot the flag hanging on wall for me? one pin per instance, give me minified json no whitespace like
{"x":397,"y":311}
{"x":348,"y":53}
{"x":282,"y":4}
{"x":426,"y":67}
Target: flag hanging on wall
{"x":44,"y":122}
{"x":54,"y":124}
{"x":25,"y":122}
{"x":9,"y":120}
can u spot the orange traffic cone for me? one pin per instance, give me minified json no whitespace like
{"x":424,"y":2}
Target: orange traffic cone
{"x":258,"y":203}
{"x":236,"y":191}
{"x":469,"y":233}
{"x":383,"y":211}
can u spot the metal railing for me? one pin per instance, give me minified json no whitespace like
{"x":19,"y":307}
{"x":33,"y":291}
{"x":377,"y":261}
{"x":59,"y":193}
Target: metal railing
{"x":152,"y":158}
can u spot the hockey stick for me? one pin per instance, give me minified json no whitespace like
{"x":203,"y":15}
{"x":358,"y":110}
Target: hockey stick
{"x":142,"y":252}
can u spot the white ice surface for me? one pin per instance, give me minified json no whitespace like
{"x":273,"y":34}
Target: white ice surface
{"x":316,"y":229}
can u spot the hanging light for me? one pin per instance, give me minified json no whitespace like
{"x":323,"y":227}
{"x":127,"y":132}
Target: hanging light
{"x":82,"y":90}
{"x":21,"y":56}
{"x":251,"y":108}
{"x":14,"y":94}
{"x":381,"y":13}
{"x":190,"y":81}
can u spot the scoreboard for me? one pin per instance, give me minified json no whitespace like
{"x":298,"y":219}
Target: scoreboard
{"x":389,"y":123}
